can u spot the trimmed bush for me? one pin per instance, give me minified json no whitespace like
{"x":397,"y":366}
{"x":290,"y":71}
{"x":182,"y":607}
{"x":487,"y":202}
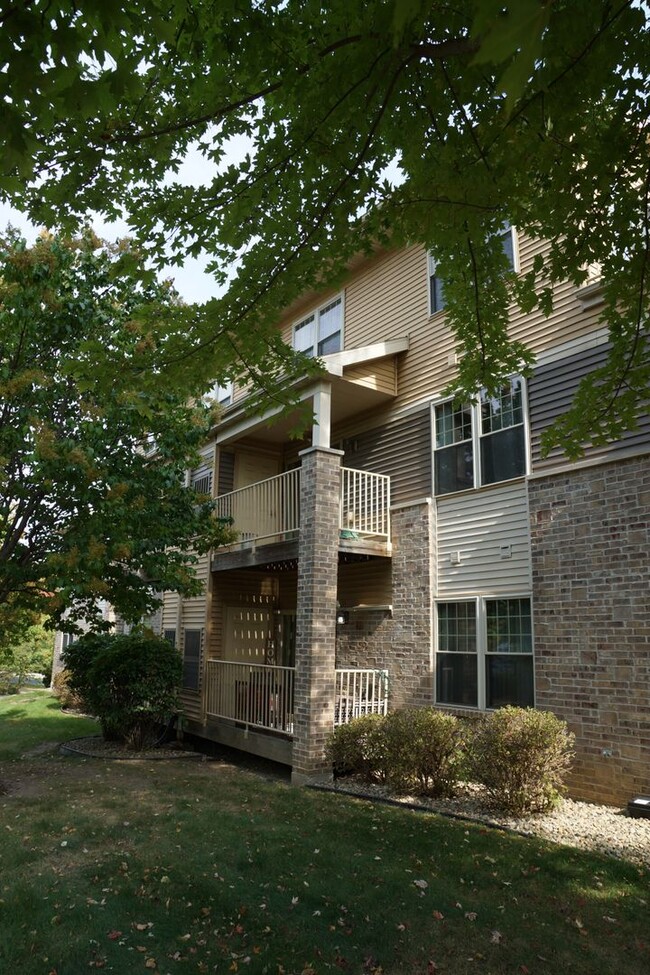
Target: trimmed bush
{"x":129,"y":682}
{"x":357,"y":748}
{"x":521,"y":756}
{"x":424,"y":751}
{"x":417,"y":750}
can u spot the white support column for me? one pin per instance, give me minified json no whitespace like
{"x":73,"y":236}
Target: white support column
{"x":321,"y":429}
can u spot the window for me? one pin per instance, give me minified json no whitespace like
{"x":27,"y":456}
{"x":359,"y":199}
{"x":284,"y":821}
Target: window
{"x":484,"y":653}
{"x":170,"y":636}
{"x":492,"y":430}
{"x":222,"y":394}
{"x":191,"y":659}
{"x":436,"y":290}
{"x":320,"y":333}
{"x":436,"y":287}
{"x":201,"y":480}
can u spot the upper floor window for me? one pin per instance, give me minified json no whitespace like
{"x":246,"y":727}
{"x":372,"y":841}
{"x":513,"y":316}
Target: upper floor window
{"x":321,"y":332}
{"x":436,"y":287}
{"x":222,"y":394}
{"x":480,"y":443}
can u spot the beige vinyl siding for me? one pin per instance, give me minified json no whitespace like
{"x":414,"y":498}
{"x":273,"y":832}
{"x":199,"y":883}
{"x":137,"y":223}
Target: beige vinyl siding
{"x":389,"y":299}
{"x":401,"y":449}
{"x":568,"y":319}
{"x":380,"y":375}
{"x":479,"y":528}
{"x":365,"y":583}
{"x":192,"y":616}
{"x":170,"y":612}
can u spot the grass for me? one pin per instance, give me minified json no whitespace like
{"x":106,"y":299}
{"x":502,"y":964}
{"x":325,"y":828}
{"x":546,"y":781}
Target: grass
{"x":33,"y":718}
{"x":186,"y":867}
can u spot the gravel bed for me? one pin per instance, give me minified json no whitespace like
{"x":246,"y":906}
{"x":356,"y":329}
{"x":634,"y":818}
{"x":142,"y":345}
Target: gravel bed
{"x":604,"y":829}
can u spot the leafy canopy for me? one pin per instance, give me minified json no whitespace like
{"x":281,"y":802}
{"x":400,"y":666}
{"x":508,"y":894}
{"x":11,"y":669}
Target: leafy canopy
{"x":89,"y":510}
{"x":528,"y":112}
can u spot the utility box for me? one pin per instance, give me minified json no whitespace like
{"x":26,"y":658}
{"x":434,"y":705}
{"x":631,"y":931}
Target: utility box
{"x":639,"y":807}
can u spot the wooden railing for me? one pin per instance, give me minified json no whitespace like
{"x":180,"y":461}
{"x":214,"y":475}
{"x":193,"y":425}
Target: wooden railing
{"x":261,"y":697}
{"x":270,"y":509}
{"x":365,"y":503}
{"x":360,"y":692}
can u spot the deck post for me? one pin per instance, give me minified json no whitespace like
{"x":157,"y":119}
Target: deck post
{"x":316,"y":611}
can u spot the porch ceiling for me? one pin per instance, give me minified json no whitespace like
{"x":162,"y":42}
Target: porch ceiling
{"x":350,"y":397}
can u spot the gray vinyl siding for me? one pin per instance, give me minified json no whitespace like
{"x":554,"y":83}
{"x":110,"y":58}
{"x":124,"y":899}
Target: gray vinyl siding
{"x":226,"y":480}
{"x":550,"y":394}
{"x":483,"y":542}
{"x":401,"y":449}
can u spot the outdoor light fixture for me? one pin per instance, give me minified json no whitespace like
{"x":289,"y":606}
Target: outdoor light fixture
{"x":342,"y":616}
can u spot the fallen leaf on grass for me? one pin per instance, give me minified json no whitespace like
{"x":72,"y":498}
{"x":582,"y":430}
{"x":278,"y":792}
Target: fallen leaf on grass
{"x":496,"y":937}
{"x":438,"y":916}
{"x":114,"y":935}
{"x":470,"y":915}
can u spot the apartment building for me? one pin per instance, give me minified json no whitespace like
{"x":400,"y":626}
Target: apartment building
{"x":413,"y":550}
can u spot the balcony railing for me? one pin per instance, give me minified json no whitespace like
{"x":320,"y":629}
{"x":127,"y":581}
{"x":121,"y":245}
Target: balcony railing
{"x":260,"y":696}
{"x":266,"y":509}
{"x":365,"y":503}
{"x":270,"y":509}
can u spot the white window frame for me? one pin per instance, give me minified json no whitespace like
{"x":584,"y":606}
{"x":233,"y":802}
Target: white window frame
{"x":477,"y":436}
{"x":432,"y":266}
{"x":315,"y":315}
{"x":223,"y":394}
{"x":480,"y":603}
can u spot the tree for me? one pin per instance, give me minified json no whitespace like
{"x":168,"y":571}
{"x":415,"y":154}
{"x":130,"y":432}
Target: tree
{"x":93,"y":446}
{"x":28,"y":652}
{"x":530,"y":112}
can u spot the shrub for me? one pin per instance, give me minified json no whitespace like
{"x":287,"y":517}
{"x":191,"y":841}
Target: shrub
{"x":67,"y":697}
{"x":521,"y":756}
{"x":424,"y":751}
{"x":129,"y":682}
{"x":357,"y":748}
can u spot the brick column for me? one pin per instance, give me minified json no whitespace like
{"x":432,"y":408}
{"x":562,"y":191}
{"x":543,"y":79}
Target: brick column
{"x":316,"y":611}
{"x":411,"y":661}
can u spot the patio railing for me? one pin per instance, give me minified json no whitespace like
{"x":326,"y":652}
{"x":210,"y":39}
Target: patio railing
{"x":252,"y":694}
{"x":360,"y":692}
{"x":261,"y":696}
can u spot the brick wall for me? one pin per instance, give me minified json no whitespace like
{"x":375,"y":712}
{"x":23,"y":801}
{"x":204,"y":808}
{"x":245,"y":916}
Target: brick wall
{"x":316,"y":611}
{"x":402,"y":645}
{"x":591,"y":585}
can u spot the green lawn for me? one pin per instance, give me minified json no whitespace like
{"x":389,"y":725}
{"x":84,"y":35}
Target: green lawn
{"x":34,"y":718}
{"x":185,"y":867}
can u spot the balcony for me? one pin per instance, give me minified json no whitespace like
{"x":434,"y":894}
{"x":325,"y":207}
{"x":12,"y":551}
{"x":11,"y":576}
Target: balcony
{"x":267,"y":513}
{"x":260,"y":697}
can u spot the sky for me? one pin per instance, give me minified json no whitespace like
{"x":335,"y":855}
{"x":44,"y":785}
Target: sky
{"x":192,"y":281}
